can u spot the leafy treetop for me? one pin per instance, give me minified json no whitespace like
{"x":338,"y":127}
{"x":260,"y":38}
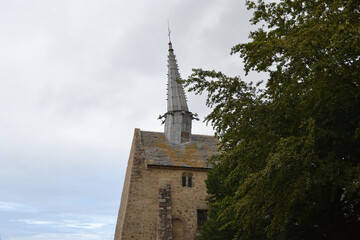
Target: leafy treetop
{"x":289,"y":162}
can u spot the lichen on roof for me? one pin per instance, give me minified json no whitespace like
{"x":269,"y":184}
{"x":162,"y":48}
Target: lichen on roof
{"x":160,"y":152}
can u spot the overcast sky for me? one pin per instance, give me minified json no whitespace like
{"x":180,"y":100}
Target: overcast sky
{"x":77,"y":76}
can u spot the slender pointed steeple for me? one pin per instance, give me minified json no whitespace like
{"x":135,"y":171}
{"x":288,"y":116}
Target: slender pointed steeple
{"x":177,"y":118}
{"x":176,"y":99}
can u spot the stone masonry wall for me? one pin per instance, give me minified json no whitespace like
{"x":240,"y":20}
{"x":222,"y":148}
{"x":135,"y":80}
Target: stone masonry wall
{"x":141,"y":216}
{"x":131,"y":207}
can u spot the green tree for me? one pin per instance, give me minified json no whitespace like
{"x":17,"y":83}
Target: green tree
{"x":289,"y":162}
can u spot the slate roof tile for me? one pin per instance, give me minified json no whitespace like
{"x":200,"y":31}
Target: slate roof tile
{"x":160,"y":152}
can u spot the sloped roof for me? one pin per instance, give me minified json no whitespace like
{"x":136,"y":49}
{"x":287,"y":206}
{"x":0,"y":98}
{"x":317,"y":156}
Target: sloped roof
{"x":160,"y":152}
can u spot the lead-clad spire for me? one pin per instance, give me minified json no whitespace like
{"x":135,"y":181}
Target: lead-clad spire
{"x":175,"y":92}
{"x":177,"y":118}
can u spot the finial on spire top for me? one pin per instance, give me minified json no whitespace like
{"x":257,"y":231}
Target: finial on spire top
{"x":169,"y":31}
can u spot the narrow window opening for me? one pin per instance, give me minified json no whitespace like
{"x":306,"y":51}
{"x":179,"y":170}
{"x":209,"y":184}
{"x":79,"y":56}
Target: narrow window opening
{"x":189,"y":181}
{"x":183,"y":181}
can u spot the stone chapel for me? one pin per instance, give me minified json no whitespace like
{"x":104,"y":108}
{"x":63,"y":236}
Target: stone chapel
{"x":164,"y":193}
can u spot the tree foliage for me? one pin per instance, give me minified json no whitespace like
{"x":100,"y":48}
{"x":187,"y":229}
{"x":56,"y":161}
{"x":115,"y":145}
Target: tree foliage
{"x":289,"y":162}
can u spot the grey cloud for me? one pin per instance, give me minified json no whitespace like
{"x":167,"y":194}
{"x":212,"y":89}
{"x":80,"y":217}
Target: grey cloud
{"x":77,"y":77}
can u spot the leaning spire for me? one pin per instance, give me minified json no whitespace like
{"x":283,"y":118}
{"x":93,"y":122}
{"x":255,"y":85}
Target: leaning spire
{"x":177,"y":118}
